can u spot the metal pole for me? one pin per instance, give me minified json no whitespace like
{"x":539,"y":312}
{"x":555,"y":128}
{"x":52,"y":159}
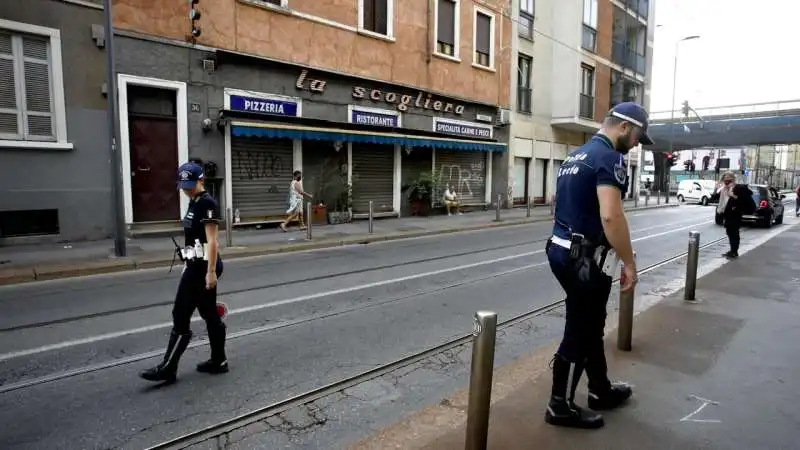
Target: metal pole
{"x":309,"y":235}
{"x":553,"y":205}
{"x":370,"y":217}
{"x":120,"y":245}
{"x":658,"y":197}
{"x":692,"y":259}
{"x":480,"y":380}
{"x":229,"y":228}
{"x":528,"y":207}
{"x":646,"y":197}
{"x":497,"y":209}
{"x":625,"y":319}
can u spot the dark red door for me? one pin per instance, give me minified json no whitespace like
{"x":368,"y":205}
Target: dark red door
{"x":154,"y":163}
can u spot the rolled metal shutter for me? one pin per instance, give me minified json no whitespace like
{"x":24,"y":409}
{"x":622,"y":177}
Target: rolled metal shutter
{"x":261,"y":174}
{"x":373,"y":178}
{"x":465,"y":171}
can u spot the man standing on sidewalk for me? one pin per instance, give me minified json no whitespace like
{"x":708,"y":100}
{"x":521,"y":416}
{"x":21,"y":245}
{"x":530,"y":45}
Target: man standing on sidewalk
{"x":590,"y":234}
{"x":734,"y":201}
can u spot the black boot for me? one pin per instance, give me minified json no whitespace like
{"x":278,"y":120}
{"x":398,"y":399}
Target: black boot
{"x":168,"y":368}
{"x":603,"y":394}
{"x":218,"y":362}
{"x":562,"y":411}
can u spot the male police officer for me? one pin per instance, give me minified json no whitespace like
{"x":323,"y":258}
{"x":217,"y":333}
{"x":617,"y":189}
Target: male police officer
{"x":590,"y":222}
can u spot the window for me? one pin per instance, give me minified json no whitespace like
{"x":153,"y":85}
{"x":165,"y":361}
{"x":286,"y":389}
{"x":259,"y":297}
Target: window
{"x":447,"y":27}
{"x":587,"y":92}
{"x":483,"y":29}
{"x":589,"y":38}
{"x":526,"y":18}
{"x":625,"y":89}
{"x":376,"y":16}
{"x":281,"y":3}
{"x":524,"y":92}
{"x":31,"y":86}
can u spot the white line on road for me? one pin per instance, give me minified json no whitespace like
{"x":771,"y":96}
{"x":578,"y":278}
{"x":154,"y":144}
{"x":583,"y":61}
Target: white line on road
{"x":302,"y":298}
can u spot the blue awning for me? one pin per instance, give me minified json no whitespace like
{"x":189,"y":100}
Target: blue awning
{"x":270,"y":130}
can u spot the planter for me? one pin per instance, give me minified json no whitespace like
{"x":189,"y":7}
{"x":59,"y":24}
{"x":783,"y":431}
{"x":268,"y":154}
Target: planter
{"x":337,"y":217}
{"x":319,"y":214}
{"x":420,"y":208}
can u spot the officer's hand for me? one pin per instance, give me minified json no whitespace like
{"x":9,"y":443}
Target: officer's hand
{"x":211,"y":280}
{"x":628,"y":278}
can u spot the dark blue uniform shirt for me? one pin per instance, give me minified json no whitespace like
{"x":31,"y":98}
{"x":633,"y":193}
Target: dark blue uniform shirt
{"x":594,"y":164}
{"x":202,"y":209}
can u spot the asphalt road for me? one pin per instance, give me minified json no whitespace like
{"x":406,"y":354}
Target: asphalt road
{"x":297,"y":322}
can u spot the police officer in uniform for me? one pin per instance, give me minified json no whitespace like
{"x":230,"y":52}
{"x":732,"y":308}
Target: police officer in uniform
{"x":198,"y":284}
{"x":589,"y":234}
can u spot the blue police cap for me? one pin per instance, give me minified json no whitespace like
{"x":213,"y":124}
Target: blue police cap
{"x":188,"y":175}
{"x":635,"y":114}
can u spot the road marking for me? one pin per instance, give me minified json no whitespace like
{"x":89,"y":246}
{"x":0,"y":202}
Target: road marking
{"x":703,"y":403}
{"x":302,"y":298}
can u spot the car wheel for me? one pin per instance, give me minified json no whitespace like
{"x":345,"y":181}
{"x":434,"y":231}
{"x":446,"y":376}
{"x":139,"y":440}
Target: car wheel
{"x":704,"y":201}
{"x":680,"y":199}
{"x":779,"y":220}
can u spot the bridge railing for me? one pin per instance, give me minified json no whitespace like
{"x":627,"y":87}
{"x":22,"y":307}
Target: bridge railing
{"x":764,"y":109}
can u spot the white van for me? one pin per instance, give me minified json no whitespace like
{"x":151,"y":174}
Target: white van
{"x":701,"y":191}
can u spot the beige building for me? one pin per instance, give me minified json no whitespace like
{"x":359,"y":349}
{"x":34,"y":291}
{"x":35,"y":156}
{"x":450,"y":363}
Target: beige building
{"x":573,"y":61}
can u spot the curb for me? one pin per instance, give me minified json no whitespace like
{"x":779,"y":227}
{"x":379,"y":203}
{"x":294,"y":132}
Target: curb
{"x":19,"y":275}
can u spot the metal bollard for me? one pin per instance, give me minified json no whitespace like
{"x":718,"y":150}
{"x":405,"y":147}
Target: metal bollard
{"x":646,"y":197}
{"x":553,"y":205}
{"x":625,"y":319}
{"x":658,"y":197}
{"x":308,"y":220}
{"x":692,"y":259}
{"x":497,"y":209}
{"x":480,"y":380}
{"x":370,"y":217}
{"x":636,"y":200}
{"x":528,"y":208}
{"x":229,"y":228}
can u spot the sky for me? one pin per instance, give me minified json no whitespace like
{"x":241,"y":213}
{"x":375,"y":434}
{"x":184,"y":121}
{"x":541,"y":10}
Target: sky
{"x":746,"y":53}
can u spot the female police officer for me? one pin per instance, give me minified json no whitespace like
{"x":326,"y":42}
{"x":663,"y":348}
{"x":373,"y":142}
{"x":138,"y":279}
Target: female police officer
{"x":198,"y":285}
{"x":589,"y":223}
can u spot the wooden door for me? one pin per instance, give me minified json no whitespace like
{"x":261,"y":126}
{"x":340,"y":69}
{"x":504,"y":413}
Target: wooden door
{"x":154,"y":165}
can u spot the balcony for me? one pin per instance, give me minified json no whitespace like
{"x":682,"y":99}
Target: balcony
{"x":639,"y":7}
{"x":627,"y":58}
{"x":586,"y":107}
{"x":589,"y":39}
{"x":524,"y":99}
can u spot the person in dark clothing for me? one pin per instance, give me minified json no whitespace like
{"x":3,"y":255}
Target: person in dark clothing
{"x":198,"y":286}
{"x":733,"y":200}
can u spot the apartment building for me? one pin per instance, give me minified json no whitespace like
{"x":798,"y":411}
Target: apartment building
{"x":365,"y":97}
{"x":55,"y":173}
{"x":575,"y":59}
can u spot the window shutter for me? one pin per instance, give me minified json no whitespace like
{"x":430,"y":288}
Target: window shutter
{"x":482,"y":30}
{"x":38,"y":104}
{"x":9,"y":111}
{"x":446,"y":27}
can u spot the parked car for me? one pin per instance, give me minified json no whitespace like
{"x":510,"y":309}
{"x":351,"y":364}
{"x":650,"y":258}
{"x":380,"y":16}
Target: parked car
{"x":701,"y":191}
{"x":769,"y":207}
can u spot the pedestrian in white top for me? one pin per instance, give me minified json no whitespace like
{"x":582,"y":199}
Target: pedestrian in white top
{"x":450,"y":200}
{"x":296,"y":194}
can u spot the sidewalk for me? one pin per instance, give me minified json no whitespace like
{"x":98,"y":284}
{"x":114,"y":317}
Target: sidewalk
{"x":718,"y":374}
{"x":27,"y":263}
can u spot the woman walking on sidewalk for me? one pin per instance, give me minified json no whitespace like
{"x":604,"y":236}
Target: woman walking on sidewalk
{"x":296,"y":195}
{"x":734,"y":201}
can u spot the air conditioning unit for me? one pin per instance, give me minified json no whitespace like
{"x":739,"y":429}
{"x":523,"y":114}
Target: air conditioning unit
{"x":503,"y":116}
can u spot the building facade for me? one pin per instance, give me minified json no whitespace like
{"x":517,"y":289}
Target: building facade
{"x":364,"y":97}
{"x":55,"y":173}
{"x":574,"y":60}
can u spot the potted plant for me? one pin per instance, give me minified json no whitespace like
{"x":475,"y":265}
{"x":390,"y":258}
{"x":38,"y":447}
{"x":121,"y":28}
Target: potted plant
{"x":420,"y":194}
{"x":340,"y":195}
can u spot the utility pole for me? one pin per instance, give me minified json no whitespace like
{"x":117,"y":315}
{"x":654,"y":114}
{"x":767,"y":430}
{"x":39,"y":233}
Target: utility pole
{"x":120,"y":244}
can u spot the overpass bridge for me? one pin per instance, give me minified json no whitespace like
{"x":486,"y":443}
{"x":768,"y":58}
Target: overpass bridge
{"x":765,"y":123}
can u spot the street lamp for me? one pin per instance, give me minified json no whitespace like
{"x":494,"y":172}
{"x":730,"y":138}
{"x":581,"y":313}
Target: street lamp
{"x":672,"y":107}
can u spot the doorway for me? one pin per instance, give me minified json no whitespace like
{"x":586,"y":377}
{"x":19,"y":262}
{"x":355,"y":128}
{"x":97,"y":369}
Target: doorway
{"x":154,"y":140}
{"x":152,"y":121}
